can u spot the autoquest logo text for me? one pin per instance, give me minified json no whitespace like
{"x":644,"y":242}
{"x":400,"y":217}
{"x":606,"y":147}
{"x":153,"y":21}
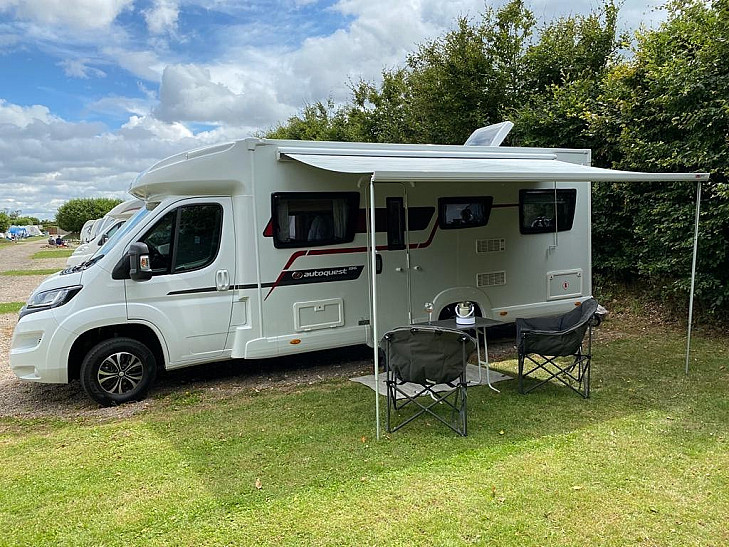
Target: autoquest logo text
{"x":322,"y":275}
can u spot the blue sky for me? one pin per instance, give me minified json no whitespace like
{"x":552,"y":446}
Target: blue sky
{"x":94,"y":91}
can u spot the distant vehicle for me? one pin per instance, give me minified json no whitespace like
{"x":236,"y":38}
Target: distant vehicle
{"x":103,"y":229}
{"x":261,"y":248}
{"x":85,"y":233}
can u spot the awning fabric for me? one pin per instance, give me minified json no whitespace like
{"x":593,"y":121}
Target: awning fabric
{"x":469,"y":168}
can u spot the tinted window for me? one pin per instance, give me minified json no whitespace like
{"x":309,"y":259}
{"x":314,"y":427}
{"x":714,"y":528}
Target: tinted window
{"x":313,"y":219}
{"x":395,"y":224}
{"x":185,"y":239}
{"x":465,"y":212}
{"x":198,"y":236}
{"x":159,"y":242}
{"x":539,"y":208}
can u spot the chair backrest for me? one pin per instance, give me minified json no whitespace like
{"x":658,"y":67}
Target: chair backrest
{"x":427,"y":355}
{"x":558,"y":335}
{"x":579,"y":316}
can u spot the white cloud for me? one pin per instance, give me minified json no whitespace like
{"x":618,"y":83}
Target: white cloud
{"x":22,"y":116}
{"x":162,"y":18}
{"x":144,"y":64}
{"x":189,"y":93}
{"x":263,"y":86}
{"x":145,"y":127}
{"x":79,"y":68}
{"x":81,"y":14}
{"x":46,"y":160}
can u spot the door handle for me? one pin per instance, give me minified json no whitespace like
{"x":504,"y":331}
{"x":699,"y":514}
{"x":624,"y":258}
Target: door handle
{"x":417,"y":268}
{"x":222,"y":280}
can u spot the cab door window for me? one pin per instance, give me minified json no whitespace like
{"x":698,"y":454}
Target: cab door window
{"x":185,"y":239}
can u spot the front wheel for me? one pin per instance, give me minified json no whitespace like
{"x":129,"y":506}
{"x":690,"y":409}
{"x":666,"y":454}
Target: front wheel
{"x":118,"y":370}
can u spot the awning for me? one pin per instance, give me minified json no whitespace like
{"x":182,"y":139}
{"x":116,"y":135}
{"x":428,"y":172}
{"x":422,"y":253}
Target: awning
{"x":440,"y":165}
{"x":467,"y":167}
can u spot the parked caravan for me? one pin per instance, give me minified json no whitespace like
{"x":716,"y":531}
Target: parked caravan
{"x":103,"y":229}
{"x":261,"y":248}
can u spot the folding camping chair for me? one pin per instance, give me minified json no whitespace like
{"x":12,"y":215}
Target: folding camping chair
{"x":555,"y":345}
{"x":426,"y":371}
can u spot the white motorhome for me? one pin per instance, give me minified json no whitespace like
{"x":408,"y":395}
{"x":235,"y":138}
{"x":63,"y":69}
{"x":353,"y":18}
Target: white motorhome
{"x":261,"y":248}
{"x":85,"y":233}
{"x":106,"y":227}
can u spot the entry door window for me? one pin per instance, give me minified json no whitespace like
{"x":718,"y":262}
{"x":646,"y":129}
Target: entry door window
{"x":395,"y":224}
{"x":185,"y":239}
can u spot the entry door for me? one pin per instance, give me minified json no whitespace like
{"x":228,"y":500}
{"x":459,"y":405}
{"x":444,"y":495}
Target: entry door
{"x":189,"y":297}
{"x":393,"y":283}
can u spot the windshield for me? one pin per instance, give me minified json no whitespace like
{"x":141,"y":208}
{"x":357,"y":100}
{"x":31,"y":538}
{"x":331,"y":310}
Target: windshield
{"x":128,"y":225}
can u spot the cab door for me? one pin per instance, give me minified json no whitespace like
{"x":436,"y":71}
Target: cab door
{"x":189,"y":297}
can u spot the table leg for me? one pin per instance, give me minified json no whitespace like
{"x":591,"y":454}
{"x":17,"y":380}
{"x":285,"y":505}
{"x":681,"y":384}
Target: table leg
{"x":486,"y":358}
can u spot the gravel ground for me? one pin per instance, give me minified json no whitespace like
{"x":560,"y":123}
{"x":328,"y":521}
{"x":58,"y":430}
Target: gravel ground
{"x":30,"y":400}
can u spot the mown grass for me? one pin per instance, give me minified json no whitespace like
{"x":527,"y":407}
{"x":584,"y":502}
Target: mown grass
{"x":47,"y":271}
{"x":53,"y":253}
{"x":644,"y":460}
{"x":11,"y":307}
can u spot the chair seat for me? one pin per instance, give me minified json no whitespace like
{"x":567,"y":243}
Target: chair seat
{"x":553,"y":348}
{"x":427,"y":357}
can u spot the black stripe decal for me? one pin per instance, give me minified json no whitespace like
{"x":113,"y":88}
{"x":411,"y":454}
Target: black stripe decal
{"x":297,"y":277}
{"x":193,"y":291}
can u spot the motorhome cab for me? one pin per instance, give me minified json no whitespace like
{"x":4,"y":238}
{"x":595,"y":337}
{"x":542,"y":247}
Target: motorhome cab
{"x":261,"y":248}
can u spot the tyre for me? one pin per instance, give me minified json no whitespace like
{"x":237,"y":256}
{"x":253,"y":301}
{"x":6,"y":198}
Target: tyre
{"x":118,"y":370}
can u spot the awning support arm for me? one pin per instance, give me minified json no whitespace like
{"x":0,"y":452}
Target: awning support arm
{"x":373,"y":322}
{"x":693,"y":274}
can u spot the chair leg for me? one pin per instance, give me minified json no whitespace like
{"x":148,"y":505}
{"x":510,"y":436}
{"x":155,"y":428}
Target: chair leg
{"x":521,"y":373}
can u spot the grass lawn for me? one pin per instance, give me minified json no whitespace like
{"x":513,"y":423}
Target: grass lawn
{"x":53,"y":253}
{"x":644,"y":461}
{"x":11,"y":307}
{"x":30,"y":272}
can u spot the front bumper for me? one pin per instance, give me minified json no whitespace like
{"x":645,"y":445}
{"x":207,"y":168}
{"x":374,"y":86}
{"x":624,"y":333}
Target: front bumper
{"x":32,"y":356}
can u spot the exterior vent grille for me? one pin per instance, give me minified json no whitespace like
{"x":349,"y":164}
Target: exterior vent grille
{"x":490,"y":245}
{"x":491,"y":279}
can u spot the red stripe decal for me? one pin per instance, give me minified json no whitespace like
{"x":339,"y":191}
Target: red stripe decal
{"x":346,"y":250}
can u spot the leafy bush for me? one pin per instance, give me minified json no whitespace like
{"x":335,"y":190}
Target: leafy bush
{"x":74,"y":213}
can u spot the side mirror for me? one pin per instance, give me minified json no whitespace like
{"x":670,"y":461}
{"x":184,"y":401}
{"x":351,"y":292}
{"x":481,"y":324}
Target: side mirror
{"x":139,"y":266}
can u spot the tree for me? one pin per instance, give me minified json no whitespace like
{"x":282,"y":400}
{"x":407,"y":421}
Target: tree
{"x":4,"y":221}
{"x":667,"y":109}
{"x":72,"y":215}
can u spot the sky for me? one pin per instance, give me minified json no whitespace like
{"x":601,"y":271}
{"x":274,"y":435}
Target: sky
{"x":92,"y":92}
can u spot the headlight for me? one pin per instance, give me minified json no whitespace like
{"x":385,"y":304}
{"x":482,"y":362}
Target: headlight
{"x":49,"y":299}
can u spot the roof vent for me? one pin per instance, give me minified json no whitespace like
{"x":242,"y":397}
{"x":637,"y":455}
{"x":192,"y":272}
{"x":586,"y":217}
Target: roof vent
{"x":491,"y":135}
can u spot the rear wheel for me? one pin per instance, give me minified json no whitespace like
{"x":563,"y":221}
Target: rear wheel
{"x":118,"y":370}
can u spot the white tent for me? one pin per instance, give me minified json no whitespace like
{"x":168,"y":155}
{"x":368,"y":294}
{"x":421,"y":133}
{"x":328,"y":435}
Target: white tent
{"x":440,"y":167}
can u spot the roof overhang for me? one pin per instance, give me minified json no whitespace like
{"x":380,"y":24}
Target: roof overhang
{"x":467,"y":166}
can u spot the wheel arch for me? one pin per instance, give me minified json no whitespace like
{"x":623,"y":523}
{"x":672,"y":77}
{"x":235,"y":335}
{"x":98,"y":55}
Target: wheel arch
{"x":137,"y":331}
{"x":445,"y":301}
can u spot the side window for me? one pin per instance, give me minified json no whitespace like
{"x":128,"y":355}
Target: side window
{"x":305,"y":219}
{"x":465,"y":212}
{"x":159,"y":242}
{"x":538,"y":210}
{"x":197,"y":237}
{"x":185,"y":239}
